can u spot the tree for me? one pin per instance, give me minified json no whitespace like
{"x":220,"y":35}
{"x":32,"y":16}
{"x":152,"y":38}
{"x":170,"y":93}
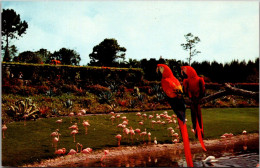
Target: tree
{"x":66,"y":56}
{"x":106,"y":53}
{"x":29,"y":57}
{"x":190,"y":45}
{"x":44,"y":54}
{"x":12,"y":27}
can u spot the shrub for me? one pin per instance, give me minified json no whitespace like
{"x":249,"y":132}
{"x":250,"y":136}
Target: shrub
{"x":105,"y":97}
{"x":42,"y":89}
{"x":97,"y":89}
{"x":22,"y":108}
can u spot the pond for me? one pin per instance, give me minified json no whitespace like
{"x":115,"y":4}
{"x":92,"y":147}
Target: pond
{"x":228,"y":154}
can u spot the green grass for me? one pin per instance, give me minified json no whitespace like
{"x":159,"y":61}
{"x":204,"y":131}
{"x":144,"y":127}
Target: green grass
{"x":31,"y":143}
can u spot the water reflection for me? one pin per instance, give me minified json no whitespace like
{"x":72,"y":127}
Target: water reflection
{"x":239,"y":154}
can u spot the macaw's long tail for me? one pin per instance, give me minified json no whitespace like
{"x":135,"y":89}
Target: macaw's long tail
{"x":197,"y":123}
{"x":198,"y":130}
{"x":186,"y":143}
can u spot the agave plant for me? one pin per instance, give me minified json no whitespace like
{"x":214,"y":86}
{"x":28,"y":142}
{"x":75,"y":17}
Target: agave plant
{"x":113,"y":86}
{"x":160,"y":96}
{"x":155,"y":89}
{"x":133,"y":103}
{"x":23,"y":108}
{"x":68,"y":104}
{"x":105,"y":97}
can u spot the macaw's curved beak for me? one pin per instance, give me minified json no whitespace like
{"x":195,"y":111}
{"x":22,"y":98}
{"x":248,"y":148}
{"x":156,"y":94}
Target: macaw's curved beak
{"x":183,"y":75}
{"x":159,"y":74}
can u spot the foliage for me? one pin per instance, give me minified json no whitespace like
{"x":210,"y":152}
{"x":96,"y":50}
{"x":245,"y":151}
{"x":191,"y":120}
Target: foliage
{"x":190,"y":45}
{"x":66,"y":56}
{"x":106,"y":53}
{"x":68,"y":104}
{"x":57,"y":75}
{"x":12,"y":27}
{"x":29,"y":57}
{"x":105,"y":97}
{"x":22,"y":108}
{"x":97,"y":89}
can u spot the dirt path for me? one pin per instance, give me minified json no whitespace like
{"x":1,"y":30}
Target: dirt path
{"x":211,"y":145}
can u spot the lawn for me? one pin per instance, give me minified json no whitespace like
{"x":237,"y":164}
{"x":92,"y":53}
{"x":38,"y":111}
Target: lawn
{"x":31,"y":143}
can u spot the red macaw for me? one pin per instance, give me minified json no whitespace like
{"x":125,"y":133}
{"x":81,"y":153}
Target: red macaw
{"x":173,"y":89}
{"x":194,"y":86}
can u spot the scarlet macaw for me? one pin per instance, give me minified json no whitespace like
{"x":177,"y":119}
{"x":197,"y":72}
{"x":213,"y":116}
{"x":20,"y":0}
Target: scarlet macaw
{"x":194,"y":86}
{"x":173,"y":89}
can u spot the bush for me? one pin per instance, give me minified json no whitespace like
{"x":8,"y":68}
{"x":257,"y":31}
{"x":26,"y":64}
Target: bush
{"x":97,"y":89}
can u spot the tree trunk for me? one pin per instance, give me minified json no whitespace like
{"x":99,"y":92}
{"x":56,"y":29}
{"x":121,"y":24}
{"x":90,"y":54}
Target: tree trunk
{"x":7,"y":55}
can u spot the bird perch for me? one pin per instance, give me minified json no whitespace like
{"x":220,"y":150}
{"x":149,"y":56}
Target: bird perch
{"x":229,"y":90}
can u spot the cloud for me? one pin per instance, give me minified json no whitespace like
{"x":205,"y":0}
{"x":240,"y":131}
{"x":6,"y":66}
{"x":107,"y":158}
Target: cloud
{"x":147,"y":29}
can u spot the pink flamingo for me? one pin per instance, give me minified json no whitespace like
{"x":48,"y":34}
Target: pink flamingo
{"x":112,"y":119}
{"x":55,"y":141}
{"x":124,"y":118}
{"x":138,"y":114}
{"x":138,"y":131}
{"x":175,"y":140}
{"x":55,"y":133}
{"x":59,"y":122}
{"x":118,"y":116}
{"x":126,"y":132}
{"x":4,"y":128}
{"x":60,"y":151}
{"x":145,"y":116}
{"x":149,"y":137}
{"x":86,"y":124}
{"x":153,"y":122}
{"x":78,"y":115}
{"x":174,"y":116}
{"x":82,"y":111}
{"x":176,"y":135}
{"x":132,"y":133}
{"x":71,"y":115}
{"x":25,"y":116}
{"x":125,"y":122}
{"x":72,"y":151}
{"x":74,"y":132}
{"x":74,"y":127}
{"x":141,"y":123}
{"x":106,"y":152}
{"x":143,"y":134}
{"x":86,"y":151}
{"x":112,"y":113}
{"x":118,"y":136}
{"x":170,"y":129}
{"x":150,"y":116}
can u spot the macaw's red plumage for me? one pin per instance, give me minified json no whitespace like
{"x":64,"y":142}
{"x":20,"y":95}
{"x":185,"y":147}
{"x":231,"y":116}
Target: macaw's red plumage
{"x":172,"y":88}
{"x":194,"y":87}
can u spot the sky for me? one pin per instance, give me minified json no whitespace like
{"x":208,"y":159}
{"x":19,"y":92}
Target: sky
{"x":228,"y":30}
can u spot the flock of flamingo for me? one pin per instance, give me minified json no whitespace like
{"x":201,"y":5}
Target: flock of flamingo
{"x":128,"y":132}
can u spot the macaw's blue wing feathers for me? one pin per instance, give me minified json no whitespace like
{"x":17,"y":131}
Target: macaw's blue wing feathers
{"x":178,"y":107}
